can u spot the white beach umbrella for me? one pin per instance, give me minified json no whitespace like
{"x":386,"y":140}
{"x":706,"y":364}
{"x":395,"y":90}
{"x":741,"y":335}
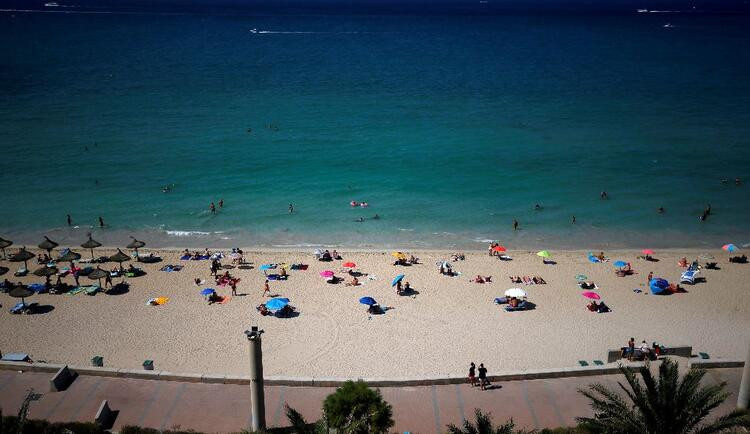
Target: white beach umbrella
{"x":515,"y":292}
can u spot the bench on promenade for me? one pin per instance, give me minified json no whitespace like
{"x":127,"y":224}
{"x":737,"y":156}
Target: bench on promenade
{"x":684,"y":351}
{"x":105,"y":416}
{"x":62,"y":379}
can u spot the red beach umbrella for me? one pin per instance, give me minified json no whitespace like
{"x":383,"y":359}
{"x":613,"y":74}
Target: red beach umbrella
{"x":498,"y":249}
{"x":349,"y":265}
{"x":590,"y":295}
{"x":647,"y":251}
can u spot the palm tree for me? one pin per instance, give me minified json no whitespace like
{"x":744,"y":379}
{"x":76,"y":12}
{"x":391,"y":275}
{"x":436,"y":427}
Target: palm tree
{"x":483,"y":425}
{"x":666,"y":404}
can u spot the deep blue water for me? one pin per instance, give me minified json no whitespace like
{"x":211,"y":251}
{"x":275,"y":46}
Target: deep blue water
{"x":449,"y":127}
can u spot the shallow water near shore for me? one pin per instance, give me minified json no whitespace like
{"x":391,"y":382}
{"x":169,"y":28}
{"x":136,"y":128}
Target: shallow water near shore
{"x":449,"y":127}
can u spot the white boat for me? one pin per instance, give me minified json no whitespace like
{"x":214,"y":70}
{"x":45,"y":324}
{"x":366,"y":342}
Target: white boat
{"x":640,"y":11}
{"x":51,"y":5}
{"x":668,"y":26}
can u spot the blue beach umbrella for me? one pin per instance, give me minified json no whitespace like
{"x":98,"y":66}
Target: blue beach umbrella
{"x":397,"y":279}
{"x":620,"y":264}
{"x":277,"y":303}
{"x":658,"y":285}
{"x":208,"y":291}
{"x":266,"y":267}
{"x":368,"y":301}
{"x":731,"y":248}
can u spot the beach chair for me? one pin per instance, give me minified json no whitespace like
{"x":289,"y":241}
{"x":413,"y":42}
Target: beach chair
{"x":689,"y":276}
{"x":21,"y":272}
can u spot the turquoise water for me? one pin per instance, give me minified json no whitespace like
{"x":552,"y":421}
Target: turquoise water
{"x":449,"y":127}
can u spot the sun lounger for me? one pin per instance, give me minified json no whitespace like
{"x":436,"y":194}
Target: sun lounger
{"x":91,"y":289}
{"x":21,"y":272}
{"x":16,"y":357}
{"x":19,"y":308}
{"x":689,"y":276}
{"x":76,"y":290}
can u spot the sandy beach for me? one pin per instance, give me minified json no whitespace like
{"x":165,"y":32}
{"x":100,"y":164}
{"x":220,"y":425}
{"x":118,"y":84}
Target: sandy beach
{"x":447,"y":323}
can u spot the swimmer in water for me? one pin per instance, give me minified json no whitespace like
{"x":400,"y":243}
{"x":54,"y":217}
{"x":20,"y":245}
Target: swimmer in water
{"x":376,"y":217}
{"x":101,"y":222}
{"x":360,"y":220}
{"x":603,"y":195}
{"x":574,"y":220}
{"x":291,"y":208}
{"x":660,"y":210}
{"x":537,"y":207}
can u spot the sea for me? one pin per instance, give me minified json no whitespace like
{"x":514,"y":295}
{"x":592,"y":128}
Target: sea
{"x":449,"y":127}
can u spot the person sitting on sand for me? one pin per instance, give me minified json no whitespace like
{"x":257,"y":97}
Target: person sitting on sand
{"x":282,"y":272}
{"x":682,"y":262}
{"x":413,"y":259}
{"x":399,"y":287}
{"x":354,"y":282}
{"x":407,"y":288}
{"x":593,"y":306}
{"x":335,"y":254}
{"x":214,"y":298}
{"x":375,"y":309}
{"x":600,"y":257}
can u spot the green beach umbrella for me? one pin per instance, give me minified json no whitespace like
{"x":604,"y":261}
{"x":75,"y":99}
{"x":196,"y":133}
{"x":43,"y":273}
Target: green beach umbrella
{"x":119,"y":257}
{"x":23,"y":255}
{"x":544,"y":254}
{"x":91,"y":244}
{"x":48,"y":245}
{"x":3,"y":244}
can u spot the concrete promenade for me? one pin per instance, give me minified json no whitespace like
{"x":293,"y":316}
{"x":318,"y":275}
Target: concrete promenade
{"x":226,"y":407}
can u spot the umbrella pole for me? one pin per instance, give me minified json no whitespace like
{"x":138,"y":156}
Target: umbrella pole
{"x":25,"y":265}
{"x":92,"y":253}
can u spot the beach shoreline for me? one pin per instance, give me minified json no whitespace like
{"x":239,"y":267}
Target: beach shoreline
{"x":448,"y":322}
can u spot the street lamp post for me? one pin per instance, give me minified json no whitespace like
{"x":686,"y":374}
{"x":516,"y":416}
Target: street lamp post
{"x":257,"y":399}
{"x":743,"y":398}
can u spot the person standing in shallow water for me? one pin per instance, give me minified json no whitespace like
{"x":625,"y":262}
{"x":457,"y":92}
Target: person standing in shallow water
{"x":291,"y":208}
{"x":515,"y":225}
{"x":101,"y":222}
{"x":574,"y":220}
{"x":212,"y":207}
{"x":221,"y":203}
{"x":70,"y":222}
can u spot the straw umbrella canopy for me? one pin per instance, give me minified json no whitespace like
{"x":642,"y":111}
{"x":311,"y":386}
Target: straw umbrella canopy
{"x":48,"y":245}
{"x":98,"y":274}
{"x":119,"y":257}
{"x":3,"y":244}
{"x":21,"y":291}
{"x":23,"y":255}
{"x":91,"y":244}
{"x":3,"y":270}
{"x":46,"y":271}
{"x":69,"y":257}
{"x":135,"y":245}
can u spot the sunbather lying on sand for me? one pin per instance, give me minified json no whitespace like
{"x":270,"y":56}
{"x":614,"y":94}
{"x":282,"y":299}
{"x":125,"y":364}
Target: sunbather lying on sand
{"x":587,"y":285}
{"x":354,"y":282}
{"x":263,"y":310}
{"x":481,"y":279}
{"x":515,"y":279}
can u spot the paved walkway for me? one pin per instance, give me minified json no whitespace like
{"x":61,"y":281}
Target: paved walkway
{"x":223,"y":407}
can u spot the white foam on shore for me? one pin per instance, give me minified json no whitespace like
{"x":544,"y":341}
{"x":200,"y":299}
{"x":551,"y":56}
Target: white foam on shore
{"x":187,"y":233}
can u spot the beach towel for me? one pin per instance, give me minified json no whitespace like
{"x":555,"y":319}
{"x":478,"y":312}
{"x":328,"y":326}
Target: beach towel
{"x":18,"y":308}
{"x":169,"y":268}
{"x":185,"y":257}
{"x":76,"y":290}
{"x":91,"y":289}
{"x":302,"y":267}
{"x":372,"y":277}
{"x":501,"y":300}
{"x":224,"y":300}
{"x":158,"y":301}
{"x":276,"y":277}
{"x":38,"y":287}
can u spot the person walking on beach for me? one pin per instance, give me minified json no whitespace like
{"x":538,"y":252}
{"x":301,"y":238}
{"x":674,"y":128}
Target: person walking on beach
{"x":76,"y":273}
{"x":515,"y":225}
{"x":70,"y":222}
{"x":291,"y":208}
{"x":234,"y":288}
{"x":101,"y":222}
{"x":212,"y":208}
{"x":483,"y":383}
{"x":472,"y":374}
{"x":266,"y":289}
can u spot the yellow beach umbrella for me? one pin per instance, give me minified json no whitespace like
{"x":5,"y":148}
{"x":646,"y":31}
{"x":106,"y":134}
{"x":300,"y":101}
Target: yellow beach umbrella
{"x":543,"y":254}
{"x":161,"y":300}
{"x":399,"y":255}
